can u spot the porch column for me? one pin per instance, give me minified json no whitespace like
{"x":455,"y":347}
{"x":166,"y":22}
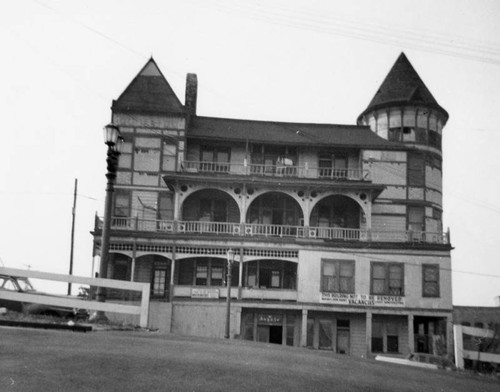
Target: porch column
{"x":132,"y":266}
{"x":177,"y":207}
{"x":172,"y":272}
{"x":237,"y":322}
{"x":411,"y":335}
{"x":303,"y":331}
{"x":306,"y":210}
{"x":369,"y":318}
{"x":449,"y":335}
{"x":283,"y":330}
{"x":368,"y":214}
{"x":240,"y":274}
{"x":243,"y":205}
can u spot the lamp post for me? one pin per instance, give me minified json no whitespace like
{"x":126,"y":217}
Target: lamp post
{"x":230,"y":261}
{"x":114,"y":141}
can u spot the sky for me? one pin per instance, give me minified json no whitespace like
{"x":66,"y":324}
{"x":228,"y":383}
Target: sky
{"x":283,"y":60}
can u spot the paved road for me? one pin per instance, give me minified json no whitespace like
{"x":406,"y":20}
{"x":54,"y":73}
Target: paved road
{"x":40,"y":360}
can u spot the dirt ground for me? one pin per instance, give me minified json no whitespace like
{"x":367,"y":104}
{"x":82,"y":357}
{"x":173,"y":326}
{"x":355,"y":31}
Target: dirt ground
{"x":43,"y":360}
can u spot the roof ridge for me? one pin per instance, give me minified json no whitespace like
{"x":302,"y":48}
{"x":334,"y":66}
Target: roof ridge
{"x":282,"y":122}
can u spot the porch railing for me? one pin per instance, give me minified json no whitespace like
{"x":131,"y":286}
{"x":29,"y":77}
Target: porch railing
{"x":275,"y":170}
{"x":283,"y":231}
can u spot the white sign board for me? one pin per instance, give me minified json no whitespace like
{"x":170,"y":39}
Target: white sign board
{"x":204,"y":293}
{"x":362,"y":299}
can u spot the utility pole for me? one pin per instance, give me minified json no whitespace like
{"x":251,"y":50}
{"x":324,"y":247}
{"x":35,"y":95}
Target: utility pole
{"x":72,"y":234}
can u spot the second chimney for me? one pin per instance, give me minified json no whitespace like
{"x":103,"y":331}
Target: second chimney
{"x":191,"y":94}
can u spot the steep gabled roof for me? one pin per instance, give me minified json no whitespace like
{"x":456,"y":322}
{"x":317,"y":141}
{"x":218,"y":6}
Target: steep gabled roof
{"x":403,"y":86}
{"x":149,"y":92}
{"x":326,"y":135}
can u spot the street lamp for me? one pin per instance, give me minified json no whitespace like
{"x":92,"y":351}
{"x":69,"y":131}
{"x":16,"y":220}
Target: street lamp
{"x":230,"y":261}
{"x":114,"y":141}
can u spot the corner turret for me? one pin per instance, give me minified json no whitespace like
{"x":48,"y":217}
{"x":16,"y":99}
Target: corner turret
{"x":404,"y":110}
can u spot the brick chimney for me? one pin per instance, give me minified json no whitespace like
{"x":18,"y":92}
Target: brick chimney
{"x":191,"y":94}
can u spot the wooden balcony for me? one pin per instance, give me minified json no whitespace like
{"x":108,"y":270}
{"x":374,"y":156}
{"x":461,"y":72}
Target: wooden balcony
{"x":274,"y":231}
{"x":278,"y":170}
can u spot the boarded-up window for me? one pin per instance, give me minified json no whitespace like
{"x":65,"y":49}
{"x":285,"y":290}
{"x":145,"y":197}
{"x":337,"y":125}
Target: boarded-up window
{"x":147,"y":154}
{"x":416,"y":169}
{"x":416,"y":218}
{"x":166,"y":206}
{"x":122,"y":203}
{"x":169,"y":154}
{"x":430,"y":278}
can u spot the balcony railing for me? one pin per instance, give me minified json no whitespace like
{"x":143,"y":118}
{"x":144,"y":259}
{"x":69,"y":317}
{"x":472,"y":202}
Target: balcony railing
{"x":281,"y":231}
{"x":278,"y":170}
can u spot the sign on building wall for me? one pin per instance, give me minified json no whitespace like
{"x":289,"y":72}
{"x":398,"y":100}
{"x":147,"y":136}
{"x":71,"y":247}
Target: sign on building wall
{"x":204,"y":293}
{"x":270,"y":319}
{"x":362,"y":299}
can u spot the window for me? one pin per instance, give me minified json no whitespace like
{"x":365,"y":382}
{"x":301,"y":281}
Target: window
{"x":438,"y":216}
{"x":333,"y":165}
{"x":395,"y":134}
{"x":416,"y":218}
{"x":217,"y":273}
{"x":416,"y":169}
{"x":434,"y":139}
{"x":268,"y":159}
{"x":337,"y":276}
{"x":201,"y":274}
{"x":430,"y":279}
{"x":270,"y":274}
{"x":214,"y":159}
{"x":205,"y":271}
{"x":122,"y":203}
{"x":387,"y":278}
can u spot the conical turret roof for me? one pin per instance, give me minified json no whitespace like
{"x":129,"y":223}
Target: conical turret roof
{"x":149,"y":92}
{"x":403,"y":86}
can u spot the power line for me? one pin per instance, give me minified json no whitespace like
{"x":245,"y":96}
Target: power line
{"x":91,"y":29}
{"x":359,"y":30}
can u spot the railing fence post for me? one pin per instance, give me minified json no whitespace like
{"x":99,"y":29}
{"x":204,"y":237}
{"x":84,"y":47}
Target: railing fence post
{"x":459,"y":346}
{"x":143,"y":321}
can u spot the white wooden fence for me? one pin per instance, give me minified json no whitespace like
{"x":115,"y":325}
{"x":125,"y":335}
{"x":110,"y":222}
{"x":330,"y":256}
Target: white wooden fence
{"x":142,"y":310}
{"x":461,"y":353}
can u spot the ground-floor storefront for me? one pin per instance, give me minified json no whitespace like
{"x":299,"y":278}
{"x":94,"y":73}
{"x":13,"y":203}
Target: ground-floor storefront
{"x":350,"y":331}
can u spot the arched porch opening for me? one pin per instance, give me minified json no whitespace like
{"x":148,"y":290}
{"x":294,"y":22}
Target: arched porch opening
{"x":275,"y":208}
{"x":336,"y":211}
{"x":210,"y":205}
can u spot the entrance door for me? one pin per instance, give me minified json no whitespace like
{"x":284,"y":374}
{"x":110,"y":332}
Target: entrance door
{"x":276,"y":334}
{"x":263,"y":333}
{"x":270,"y":334}
{"x":343,"y":334}
{"x":326,"y":334}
